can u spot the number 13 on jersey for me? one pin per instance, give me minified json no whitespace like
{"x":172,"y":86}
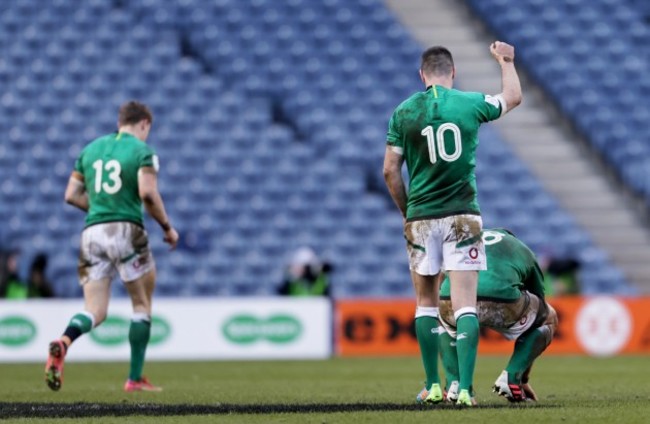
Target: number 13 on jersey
{"x":113,"y":168}
{"x":436,"y":142}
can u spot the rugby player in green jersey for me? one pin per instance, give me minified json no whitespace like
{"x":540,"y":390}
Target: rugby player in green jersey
{"x":113,"y":177}
{"x":510,"y":301}
{"x":436,"y":133}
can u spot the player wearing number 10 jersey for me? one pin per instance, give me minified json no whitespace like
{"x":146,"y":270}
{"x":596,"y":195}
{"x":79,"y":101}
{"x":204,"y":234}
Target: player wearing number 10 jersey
{"x":441,"y":153}
{"x":436,"y":133}
{"x":113,"y":177}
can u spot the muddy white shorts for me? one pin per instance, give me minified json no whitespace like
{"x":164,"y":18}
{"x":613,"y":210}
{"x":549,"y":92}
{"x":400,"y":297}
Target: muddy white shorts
{"x":113,"y":247}
{"x":452,"y":243}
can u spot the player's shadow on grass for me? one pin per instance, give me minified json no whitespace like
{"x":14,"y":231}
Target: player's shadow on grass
{"x":79,"y":410}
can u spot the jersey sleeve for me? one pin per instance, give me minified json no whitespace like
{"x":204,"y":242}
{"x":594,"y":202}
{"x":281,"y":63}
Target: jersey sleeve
{"x":394,"y":137}
{"x":78,"y":164}
{"x":148,"y":158}
{"x":489,"y":107}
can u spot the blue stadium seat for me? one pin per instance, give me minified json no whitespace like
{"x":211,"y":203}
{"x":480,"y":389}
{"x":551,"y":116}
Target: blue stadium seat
{"x":571,"y":78}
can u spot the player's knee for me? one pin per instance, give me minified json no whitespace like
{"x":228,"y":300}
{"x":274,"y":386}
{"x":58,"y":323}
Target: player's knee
{"x":99,"y":315}
{"x":551,"y":320}
{"x":98,"y":308}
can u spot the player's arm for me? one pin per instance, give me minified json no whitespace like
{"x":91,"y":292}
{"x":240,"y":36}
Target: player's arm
{"x":153,"y":203}
{"x":75,"y":192}
{"x":511,"y":95}
{"x":393,"y":161}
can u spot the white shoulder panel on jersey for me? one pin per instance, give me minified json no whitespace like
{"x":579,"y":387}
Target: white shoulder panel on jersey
{"x":396,"y":149}
{"x":156,"y":162}
{"x":497,"y":101}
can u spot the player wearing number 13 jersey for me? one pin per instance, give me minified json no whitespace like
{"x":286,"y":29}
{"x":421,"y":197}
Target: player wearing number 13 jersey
{"x":436,"y":133}
{"x":110,"y":166}
{"x":112,"y":179}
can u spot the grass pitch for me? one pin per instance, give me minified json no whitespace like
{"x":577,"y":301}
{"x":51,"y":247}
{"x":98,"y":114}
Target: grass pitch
{"x":360,"y":390}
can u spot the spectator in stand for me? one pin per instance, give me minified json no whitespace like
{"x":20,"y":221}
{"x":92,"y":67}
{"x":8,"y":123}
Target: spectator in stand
{"x":560,"y":275}
{"x":37,"y":282}
{"x":11,"y":286}
{"x":306,"y":275}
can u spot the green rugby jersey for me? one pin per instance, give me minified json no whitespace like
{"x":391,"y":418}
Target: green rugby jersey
{"x":110,"y":167}
{"x":437,"y":133}
{"x":512,"y":268}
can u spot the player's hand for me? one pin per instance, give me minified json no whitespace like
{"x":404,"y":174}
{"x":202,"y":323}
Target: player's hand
{"x":528,"y":390}
{"x":502,"y":52}
{"x":171,"y":238}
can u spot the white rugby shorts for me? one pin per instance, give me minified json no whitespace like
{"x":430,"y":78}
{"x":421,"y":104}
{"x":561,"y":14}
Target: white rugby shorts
{"x":452,"y":243}
{"x":112,"y":247}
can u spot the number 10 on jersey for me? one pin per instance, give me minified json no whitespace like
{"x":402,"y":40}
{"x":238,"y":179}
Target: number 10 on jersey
{"x":436,"y":142}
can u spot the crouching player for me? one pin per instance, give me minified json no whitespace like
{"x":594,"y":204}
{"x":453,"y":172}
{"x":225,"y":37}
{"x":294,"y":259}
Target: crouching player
{"x":510,"y":301}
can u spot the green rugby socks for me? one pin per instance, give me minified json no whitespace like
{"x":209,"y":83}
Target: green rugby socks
{"x":527,"y":348}
{"x":139,"y":334}
{"x":449,"y":357}
{"x":467,"y":332}
{"x":80,"y":323}
{"x":426,"y":331}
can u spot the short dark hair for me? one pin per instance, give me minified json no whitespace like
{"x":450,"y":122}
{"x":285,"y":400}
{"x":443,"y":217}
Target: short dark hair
{"x":437,"y":61}
{"x":133,"y":112}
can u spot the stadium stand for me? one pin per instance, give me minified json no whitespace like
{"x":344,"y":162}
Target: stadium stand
{"x":270,"y":122}
{"x":598,"y":79}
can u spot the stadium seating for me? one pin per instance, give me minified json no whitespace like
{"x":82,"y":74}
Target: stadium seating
{"x":593,"y":57}
{"x":270,"y":122}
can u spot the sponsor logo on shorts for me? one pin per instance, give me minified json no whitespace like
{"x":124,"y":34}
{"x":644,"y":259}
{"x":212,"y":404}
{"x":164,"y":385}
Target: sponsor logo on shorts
{"x":140,"y":262}
{"x":473,"y":262}
{"x":473,"y":253}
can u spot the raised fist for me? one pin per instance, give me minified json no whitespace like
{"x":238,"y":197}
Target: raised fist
{"x":502,"y":52}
